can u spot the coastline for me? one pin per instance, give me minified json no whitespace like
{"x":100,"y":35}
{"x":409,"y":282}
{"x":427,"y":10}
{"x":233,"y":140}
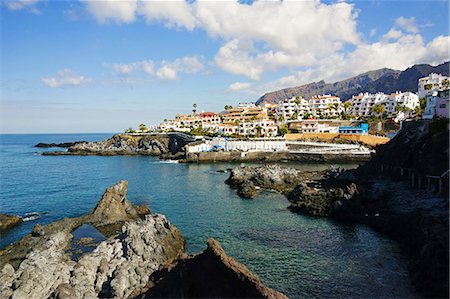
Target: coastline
{"x":171,"y":147}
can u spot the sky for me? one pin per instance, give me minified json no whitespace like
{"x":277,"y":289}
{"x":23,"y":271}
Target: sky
{"x":105,"y":66}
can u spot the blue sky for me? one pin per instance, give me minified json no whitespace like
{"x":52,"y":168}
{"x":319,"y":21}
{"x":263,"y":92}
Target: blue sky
{"x":104,"y":66}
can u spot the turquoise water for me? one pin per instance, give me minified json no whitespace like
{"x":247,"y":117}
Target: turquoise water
{"x":302,"y":256}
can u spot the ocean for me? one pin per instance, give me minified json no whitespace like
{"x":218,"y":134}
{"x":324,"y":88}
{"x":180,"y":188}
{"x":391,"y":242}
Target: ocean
{"x":301,"y":256}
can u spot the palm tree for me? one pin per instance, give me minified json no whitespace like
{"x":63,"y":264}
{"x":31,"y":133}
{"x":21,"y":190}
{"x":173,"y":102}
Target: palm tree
{"x":258,"y":130}
{"x":194,"y":108}
{"x":346,"y":106}
{"x":378,"y":110}
{"x":142,"y":127}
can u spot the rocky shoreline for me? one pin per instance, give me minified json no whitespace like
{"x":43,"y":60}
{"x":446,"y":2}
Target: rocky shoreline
{"x":417,"y":218}
{"x":161,"y":145}
{"x":172,"y":147}
{"x":143,"y":255}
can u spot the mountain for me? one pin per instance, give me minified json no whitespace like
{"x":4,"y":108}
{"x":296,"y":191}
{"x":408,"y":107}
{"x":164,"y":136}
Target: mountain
{"x":385,"y":80}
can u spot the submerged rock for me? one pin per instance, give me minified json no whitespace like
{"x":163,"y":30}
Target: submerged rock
{"x":210,"y":274}
{"x":9,"y":221}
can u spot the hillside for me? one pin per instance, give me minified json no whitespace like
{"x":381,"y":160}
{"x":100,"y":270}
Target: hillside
{"x":385,"y":80}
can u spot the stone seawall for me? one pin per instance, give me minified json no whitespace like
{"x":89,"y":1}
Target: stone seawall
{"x":270,"y":157}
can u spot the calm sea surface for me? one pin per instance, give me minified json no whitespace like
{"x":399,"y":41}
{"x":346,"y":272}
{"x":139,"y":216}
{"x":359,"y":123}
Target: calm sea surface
{"x":302,"y":256}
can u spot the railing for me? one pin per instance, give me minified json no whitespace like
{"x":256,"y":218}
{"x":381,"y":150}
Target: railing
{"x":416,"y":179}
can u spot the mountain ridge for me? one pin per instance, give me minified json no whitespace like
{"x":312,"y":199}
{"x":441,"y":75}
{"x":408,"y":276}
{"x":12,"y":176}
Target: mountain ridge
{"x":386,"y":80}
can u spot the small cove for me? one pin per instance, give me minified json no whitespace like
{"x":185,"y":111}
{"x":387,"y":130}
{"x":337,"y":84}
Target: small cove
{"x":304,"y":257}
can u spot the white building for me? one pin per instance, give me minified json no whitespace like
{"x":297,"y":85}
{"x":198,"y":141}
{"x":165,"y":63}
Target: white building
{"x":430,"y":109}
{"x":227,"y":129}
{"x":320,"y":105}
{"x":432,"y":82}
{"x":262,"y":128}
{"x":257,"y":144}
{"x":362,"y":104}
{"x":293,"y":108}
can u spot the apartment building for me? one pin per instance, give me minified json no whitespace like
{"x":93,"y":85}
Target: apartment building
{"x":431,"y":83}
{"x":362,"y":104}
{"x":320,"y":105}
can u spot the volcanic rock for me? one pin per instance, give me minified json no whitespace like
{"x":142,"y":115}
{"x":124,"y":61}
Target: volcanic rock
{"x":282,"y":179}
{"x":9,"y":221}
{"x":210,"y":274}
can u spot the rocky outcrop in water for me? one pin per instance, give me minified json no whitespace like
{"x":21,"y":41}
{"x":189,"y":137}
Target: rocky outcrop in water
{"x":115,"y":269}
{"x":62,"y":144}
{"x":9,"y":221}
{"x":274,"y":177}
{"x":210,"y":274}
{"x":123,"y":144}
{"x":324,"y":197}
{"x":40,"y":265}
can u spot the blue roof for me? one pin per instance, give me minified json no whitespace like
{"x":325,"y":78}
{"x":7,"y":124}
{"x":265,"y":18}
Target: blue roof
{"x":351,"y":128}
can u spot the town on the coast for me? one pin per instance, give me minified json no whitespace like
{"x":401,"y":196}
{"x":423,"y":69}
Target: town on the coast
{"x":321,"y":124}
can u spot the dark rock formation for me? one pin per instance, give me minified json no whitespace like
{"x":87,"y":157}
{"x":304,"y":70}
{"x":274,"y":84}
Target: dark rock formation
{"x":9,"y":221}
{"x":385,"y":80}
{"x":384,"y":199}
{"x":324,"y":197}
{"x":211,"y":274}
{"x":282,"y":179}
{"x":63,"y":144}
{"x":114,"y":206}
{"x":37,"y":231}
{"x":247,"y":190}
{"x":168,"y":146}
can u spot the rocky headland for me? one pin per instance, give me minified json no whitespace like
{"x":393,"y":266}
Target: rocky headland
{"x":402,"y":204}
{"x":143,"y":253}
{"x":162,"y":145}
{"x":62,"y":144}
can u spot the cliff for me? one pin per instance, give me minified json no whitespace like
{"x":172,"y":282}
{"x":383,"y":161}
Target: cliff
{"x":385,"y":80}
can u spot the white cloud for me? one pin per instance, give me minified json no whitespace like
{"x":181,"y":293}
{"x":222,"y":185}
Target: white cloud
{"x":112,"y":10}
{"x":407,"y":24}
{"x":172,"y":13}
{"x":19,"y":4}
{"x":146,"y":66}
{"x":399,"y":54}
{"x":66,"y":77}
{"x":392,"y":34}
{"x":239,"y":86}
{"x":308,"y":38}
{"x":167,"y":70}
{"x":266,"y":35}
{"x":166,"y":73}
{"x":170,"y":69}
